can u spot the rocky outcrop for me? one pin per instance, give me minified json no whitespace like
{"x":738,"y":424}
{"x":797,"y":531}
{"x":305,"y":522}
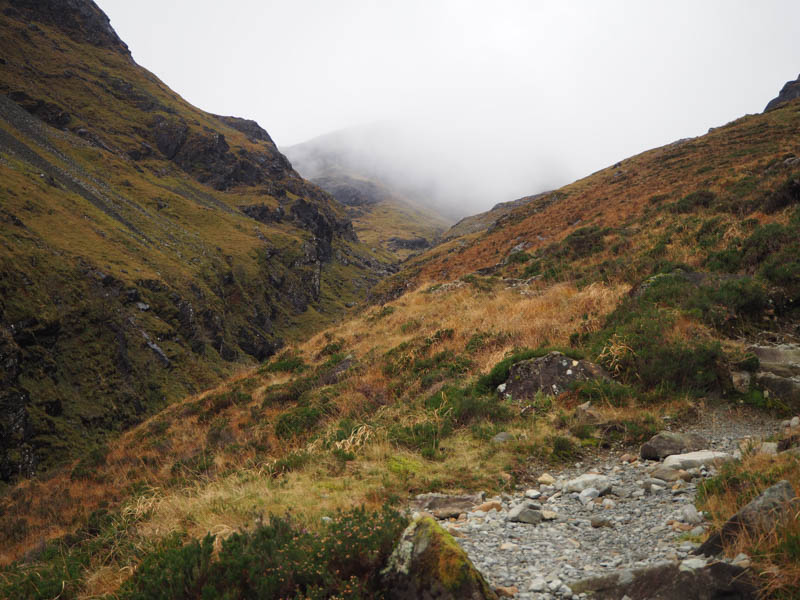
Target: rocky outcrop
{"x":80,"y":19}
{"x":774,"y":505}
{"x":779,"y":371}
{"x":253,"y":131}
{"x":207,"y":156}
{"x":667,"y":443}
{"x":324,"y":225}
{"x":551,"y":374}
{"x":427,"y":563}
{"x":49,"y":112}
{"x":263,"y":213}
{"x":789,"y":92}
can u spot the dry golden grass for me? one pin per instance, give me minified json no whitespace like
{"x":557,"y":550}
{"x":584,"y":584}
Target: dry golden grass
{"x":229,"y":501}
{"x":541,"y":315}
{"x":775,"y":553}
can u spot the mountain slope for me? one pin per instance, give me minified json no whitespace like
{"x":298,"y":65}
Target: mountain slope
{"x":147,"y":248}
{"x":401,"y":219}
{"x":491,"y":219}
{"x":663,"y":269}
{"x":648,"y":207}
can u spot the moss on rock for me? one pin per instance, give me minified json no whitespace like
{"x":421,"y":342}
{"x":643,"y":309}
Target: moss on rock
{"x":428,"y":563}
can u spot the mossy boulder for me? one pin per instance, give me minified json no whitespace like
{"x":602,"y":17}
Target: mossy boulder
{"x":427,"y":563}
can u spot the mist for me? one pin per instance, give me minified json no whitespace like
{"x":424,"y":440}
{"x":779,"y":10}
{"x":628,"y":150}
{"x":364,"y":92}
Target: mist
{"x":473,"y":103}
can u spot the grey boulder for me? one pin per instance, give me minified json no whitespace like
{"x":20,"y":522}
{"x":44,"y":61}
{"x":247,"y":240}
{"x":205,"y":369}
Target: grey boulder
{"x":667,"y":443}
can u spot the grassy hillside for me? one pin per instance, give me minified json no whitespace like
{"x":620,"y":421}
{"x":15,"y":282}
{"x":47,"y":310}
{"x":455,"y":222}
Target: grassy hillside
{"x":401,"y":399}
{"x":648,"y":209}
{"x":147,"y":249}
{"x":663,"y":269}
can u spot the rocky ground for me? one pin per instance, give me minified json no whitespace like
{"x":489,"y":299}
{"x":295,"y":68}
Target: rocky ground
{"x":595,"y":518}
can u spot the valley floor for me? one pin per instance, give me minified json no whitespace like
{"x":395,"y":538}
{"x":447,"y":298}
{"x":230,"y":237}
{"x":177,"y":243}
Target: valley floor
{"x":635,"y":525}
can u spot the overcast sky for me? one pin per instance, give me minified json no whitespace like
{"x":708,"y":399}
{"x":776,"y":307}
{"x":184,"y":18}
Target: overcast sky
{"x":506,"y":98}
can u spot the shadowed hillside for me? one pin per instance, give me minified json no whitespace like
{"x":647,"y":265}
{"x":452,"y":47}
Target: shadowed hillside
{"x":147,"y":248}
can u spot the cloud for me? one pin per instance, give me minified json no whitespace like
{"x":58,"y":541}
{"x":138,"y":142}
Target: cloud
{"x":489,"y":101}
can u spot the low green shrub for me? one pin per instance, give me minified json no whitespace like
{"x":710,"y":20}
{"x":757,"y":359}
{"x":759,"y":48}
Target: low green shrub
{"x":384,"y":311}
{"x":199,"y":464}
{"x":216,"y":403}
{"x":518,"y":257}
{"x":463,"y":406}
{"x":483,"y":340}
{"x":602,"y":391}
{"x":287,"y":362}
{"x":787,"y":194}
{"x":633,"y":345}
{"x":584,"y":242}
{"x":290,"y":462}
{"x":278,"y":560}
{"x":410,"y":325}
{"x":332,"y":348}
{"x":219,"y":433}
{"x":563,"y":448}
{"x":693,"y":201}
{"x":424,"y":437}
{"x":299,"y":420}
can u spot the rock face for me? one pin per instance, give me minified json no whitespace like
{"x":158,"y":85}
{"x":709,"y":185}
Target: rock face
{"x":671,"y":581}
{"x":427,"y":563}
{"x":250,"y":128}
{"x":779,"y":371}
{"x":207,"y":156}
{"x":550,"y":374}
{"x":667,"y":443}
{"x":81,"y":19}
{"x":789,"y":91}
{"x":773,"y":505}
{"x":49,"y":112}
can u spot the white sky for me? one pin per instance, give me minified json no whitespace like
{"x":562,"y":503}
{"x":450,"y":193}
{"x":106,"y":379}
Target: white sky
{"x":506,"y":98}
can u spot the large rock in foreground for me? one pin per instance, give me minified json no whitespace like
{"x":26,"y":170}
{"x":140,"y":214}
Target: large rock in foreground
{"x":551,"y":374}
{"x":428,"y":564}
{"x":759,"y":516}
{"x":671,"y":581}
{"x":668,"y":443}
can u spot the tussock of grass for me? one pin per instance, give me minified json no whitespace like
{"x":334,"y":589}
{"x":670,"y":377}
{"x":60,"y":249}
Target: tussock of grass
{"x":775,"y":553}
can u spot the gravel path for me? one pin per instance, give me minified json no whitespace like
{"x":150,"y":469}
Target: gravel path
{"x":636,"y":524}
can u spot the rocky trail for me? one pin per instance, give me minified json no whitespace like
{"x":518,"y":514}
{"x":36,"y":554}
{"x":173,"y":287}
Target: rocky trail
{"x":600,"y":521}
